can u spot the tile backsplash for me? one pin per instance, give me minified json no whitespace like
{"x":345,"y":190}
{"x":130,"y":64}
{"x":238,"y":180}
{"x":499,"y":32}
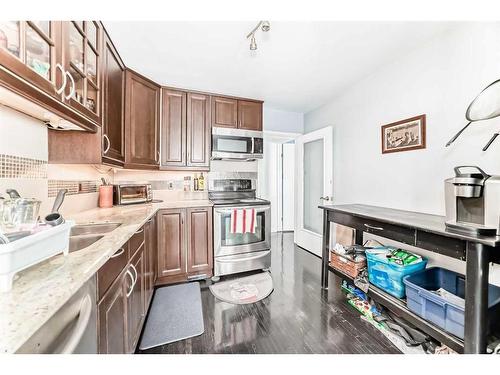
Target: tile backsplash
{"x":73,"y":187}
{"x":12,"y":166}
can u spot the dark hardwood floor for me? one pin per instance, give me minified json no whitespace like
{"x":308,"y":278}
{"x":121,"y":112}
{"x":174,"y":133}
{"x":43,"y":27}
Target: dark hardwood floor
{"x":298,"y":317}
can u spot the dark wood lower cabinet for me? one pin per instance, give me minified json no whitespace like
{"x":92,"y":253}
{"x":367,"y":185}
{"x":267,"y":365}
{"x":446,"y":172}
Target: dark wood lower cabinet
{"x":150,"y":258}
{"x":185,"y":248}
{"x":123,"y":306}
{"x":199,"y":243}
{"x":171,"y":244}
{"x":136,"y":310}
{"x":112,"y":312}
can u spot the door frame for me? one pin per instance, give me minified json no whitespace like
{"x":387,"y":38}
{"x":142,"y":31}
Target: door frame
{"x":303,"y":237}
{"x":266,"y":187}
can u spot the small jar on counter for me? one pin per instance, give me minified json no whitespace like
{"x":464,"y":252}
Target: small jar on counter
{"x":187,"y":183}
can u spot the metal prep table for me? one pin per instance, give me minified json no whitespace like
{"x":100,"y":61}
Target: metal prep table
{"x":427,"y":232}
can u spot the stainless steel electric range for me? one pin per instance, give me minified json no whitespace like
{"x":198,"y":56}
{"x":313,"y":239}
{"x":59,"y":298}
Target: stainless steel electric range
{"x":239,"y":252}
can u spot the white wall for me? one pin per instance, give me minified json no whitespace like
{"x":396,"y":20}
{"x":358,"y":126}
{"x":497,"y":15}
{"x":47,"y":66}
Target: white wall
{"x":282,"y":121}
{"x":438,"y":79}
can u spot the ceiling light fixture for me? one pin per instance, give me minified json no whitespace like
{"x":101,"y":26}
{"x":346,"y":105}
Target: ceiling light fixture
{"x":253,"y":43}
{"x":265,"y":26}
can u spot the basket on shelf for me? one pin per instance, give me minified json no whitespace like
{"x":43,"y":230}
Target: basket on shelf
{"x":351,"y":265}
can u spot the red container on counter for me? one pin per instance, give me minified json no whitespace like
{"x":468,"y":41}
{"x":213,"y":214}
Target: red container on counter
{"x":106,"y":196}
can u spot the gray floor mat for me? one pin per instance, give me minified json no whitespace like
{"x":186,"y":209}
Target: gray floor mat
{"x":176,"y":314}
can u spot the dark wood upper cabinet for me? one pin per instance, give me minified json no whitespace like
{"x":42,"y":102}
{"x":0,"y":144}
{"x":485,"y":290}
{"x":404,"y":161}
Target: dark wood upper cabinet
{"x":33,"y":63}
{"x":142,"y":120}
{"x":112,"y":311}
{"x":29,"y":49}
{"x":80,"y":50}
{"x":186,"y":134}
{"x":199,"y":244}
{"x":171,"y":242}
{"x":236,"y":113}
{"x":173,"y":128}
{"x":224,"y":112}
{"x":113,"y":89}
{"x":249,"y":115}
{"x":199,"y":133}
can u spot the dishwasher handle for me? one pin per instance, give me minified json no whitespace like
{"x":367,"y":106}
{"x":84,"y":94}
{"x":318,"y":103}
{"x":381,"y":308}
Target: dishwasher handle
{"x":81,"y":325}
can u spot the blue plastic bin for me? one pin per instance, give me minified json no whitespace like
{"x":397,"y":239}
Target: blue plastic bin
{"x":422,"y":301}
{"x":388,"y":275}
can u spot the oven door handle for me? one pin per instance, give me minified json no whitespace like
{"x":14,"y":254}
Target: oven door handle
{"x":222,"y":260}
{"x":229,"y":210}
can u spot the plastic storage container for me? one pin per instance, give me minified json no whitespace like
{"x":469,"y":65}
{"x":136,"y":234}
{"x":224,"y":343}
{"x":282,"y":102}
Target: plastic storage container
{"x":28,"y":251}
{"x":388,"y":275}
{"x":421,"y":299}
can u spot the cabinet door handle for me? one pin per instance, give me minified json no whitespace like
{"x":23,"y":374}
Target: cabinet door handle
{"x":372,"y":227}
{"x":108,"y":144}
{"x":136,"y":274}
{"x":129,"y":274}
{"x":140,"y":231}
{"x":327,"y":198}
{"x":73,"y":86}
{"x":60,"y":90}
{"x":118,"y":253}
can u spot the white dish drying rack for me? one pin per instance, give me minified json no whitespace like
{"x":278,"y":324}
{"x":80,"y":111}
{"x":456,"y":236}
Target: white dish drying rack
{"x":30,"y":250}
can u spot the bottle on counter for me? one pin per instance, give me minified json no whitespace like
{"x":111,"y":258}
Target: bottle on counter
{"x":201,"y":182}
{"x":195,"y":183}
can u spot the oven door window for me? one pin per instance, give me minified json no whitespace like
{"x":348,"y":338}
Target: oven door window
{"x":227,"y":143}
{"x":238,"y":239}
{"x":133,"y":193}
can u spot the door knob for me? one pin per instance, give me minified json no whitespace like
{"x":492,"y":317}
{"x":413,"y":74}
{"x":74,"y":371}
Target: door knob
{"x":327,"y":198}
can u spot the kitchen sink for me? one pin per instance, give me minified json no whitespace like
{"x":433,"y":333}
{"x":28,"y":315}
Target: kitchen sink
{"x":100,"y":228}
{"x":80,"y":242}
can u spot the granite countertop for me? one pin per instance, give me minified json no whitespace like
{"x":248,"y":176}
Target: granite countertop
{"x":39,"y":291}
{"x":426,"y":222}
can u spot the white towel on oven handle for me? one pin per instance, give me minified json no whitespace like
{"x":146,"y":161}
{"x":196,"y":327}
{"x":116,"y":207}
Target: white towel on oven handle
{"x":243,"y":220}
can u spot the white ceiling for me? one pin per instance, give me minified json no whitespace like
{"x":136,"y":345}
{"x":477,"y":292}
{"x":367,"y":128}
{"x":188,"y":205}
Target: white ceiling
{"x":297,"y":67}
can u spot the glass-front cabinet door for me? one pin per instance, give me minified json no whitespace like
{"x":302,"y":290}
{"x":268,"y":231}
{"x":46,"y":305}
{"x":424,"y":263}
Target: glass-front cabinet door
{"x":81,"y":48}
{"x":29,"y":50}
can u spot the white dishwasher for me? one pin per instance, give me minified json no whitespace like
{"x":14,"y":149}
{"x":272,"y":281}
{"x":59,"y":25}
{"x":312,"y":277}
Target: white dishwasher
{"x":72,"y":329}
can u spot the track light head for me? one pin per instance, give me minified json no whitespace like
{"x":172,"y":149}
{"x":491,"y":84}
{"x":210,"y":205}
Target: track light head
{"x":253,"y":43}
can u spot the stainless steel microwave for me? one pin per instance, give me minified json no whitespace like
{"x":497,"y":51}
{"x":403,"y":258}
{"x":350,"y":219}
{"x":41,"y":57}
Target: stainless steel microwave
{"x":132,"y":194}
{"x":237,"y":144}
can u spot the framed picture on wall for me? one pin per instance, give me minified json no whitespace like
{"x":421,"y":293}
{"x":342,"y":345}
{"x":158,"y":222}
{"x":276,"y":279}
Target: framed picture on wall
{"x":404,"y":135}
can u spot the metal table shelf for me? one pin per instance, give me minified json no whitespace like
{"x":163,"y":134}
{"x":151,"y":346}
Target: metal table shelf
{"x":427,"y":232}
{"x":398,"y":307}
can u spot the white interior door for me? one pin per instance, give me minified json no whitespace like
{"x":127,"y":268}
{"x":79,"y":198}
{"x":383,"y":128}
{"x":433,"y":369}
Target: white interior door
{"x":314,"y":186}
